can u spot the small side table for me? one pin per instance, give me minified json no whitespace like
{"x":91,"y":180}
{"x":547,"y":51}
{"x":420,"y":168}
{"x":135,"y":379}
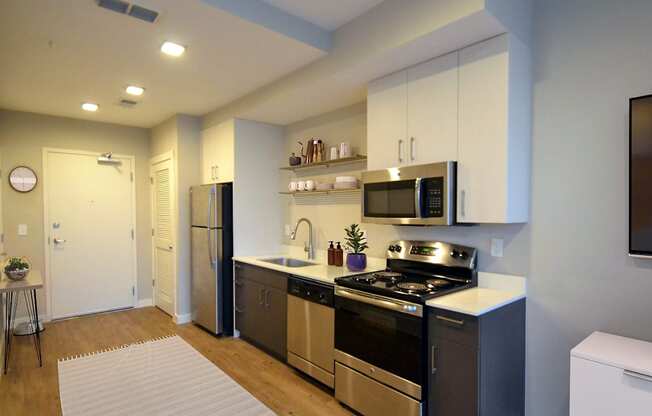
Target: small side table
{"x":9,"y":292}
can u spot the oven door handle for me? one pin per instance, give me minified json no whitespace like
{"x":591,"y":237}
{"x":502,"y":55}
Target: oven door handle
{"x":381,"y":302}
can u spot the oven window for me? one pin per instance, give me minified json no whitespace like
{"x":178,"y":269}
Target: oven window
{"x":389,"y":199}
{"x":383,"y":338}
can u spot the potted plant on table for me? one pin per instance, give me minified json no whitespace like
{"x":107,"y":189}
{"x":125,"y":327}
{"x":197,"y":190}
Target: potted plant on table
{"x":16,"y":268}
{"x":356,"y":244}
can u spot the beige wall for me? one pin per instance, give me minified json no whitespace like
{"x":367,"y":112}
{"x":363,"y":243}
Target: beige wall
{"x":22,"y":138}
{"x":330,"y":214}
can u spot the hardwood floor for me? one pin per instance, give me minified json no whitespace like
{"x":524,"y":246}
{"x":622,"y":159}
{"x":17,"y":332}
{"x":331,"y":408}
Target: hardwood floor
{"x":30,"y":390}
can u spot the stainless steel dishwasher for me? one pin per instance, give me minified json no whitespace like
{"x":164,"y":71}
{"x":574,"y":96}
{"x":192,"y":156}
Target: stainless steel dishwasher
{"x":311,"y":329}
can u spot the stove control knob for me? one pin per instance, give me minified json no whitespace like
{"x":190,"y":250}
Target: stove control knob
{"x":464,"y":255}
{"x":390,"y":248}
{"x":455,"y":254}
{"x":398,"y":248}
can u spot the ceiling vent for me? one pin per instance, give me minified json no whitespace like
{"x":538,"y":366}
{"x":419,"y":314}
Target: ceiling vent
{"x":128,"y":103}
{"x":132,"y":10}
{"x":115,"y":5}
{"x":143,"y":13}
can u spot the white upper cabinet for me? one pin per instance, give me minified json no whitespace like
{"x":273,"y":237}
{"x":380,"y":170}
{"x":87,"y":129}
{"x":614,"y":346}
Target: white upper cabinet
{"x":493,"y":172}
{"x":387,"y":121}
{"x":432,"y":110}
{"x":217,"y":153}
{"x":412,"y":115}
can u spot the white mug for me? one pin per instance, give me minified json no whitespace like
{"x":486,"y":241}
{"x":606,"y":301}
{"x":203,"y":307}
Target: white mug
{"x":301,"y":186}
{"x":310,"y":185}
{"x":345,"y":150}
{"x":334,"y":153}
{"x":292,"y":186}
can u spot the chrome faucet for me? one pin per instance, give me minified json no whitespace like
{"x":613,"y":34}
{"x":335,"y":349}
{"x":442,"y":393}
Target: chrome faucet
{"x":308,"y":248}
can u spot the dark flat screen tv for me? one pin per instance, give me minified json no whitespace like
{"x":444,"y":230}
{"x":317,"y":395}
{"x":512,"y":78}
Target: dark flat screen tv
{"x":640,"y":176}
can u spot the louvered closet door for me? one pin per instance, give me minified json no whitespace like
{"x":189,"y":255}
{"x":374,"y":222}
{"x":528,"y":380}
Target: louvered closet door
{"x":163,"y":227}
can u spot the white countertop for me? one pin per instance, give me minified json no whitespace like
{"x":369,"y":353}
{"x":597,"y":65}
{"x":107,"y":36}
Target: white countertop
{"x":616,"y":351}
{"x":320,"y":272}
{"x":494,"y":291}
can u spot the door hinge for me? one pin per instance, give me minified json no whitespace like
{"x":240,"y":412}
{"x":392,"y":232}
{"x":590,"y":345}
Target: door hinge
{"x":132,"y":234}
{"x":151,"y":180}
{"x":153,"y":282}
{"x":131,"y":175}
{"x":133,"y":290}
{"x":153,"y":233}
{"x":48,"y":240}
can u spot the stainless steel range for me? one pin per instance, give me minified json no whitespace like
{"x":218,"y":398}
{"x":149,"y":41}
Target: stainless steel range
{"x":380,"y":333}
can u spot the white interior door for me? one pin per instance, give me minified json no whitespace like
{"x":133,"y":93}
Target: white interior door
{"x":162,"y":176}
{"x":90,"y":228}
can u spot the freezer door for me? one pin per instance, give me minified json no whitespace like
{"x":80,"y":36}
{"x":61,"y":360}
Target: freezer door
{"x":207,"y":278}
{"x":206,"y":206}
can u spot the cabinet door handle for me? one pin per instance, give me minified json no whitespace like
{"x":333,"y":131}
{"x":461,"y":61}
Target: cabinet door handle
{"x":400,"y":150}
{"x":637,"y":375}
{"x":456,"y":322}
{"x":412,"y":148}
{"x":261,"y":296}
{"x":267,"y":294}
{"x":463,"y":204}
{"x":433,"y":359}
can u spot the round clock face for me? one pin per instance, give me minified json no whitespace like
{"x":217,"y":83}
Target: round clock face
{"x":22,"y":179}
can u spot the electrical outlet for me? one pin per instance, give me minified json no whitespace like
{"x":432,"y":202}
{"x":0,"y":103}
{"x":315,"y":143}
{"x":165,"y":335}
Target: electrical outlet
{"x":497,"y":247}
{"x":22,"y":229}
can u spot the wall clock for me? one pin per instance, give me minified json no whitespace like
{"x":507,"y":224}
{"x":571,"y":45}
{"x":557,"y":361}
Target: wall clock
{"x":22,"y":179}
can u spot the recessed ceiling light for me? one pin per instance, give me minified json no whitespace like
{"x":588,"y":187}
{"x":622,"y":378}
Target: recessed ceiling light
{"x":134,"y":90}
{"x":172,"y":49}
{"x":90,"y":107}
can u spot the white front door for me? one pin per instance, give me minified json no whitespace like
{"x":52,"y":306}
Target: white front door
{"x":90,"y":227}
{"x":162,"y":176}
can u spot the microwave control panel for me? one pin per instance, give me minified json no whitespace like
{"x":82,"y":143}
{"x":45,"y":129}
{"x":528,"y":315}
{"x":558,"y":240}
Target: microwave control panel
{"x":432,"y":197}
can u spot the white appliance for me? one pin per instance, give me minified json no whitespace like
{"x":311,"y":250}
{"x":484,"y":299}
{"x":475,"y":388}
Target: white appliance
{"x":611,"y":375}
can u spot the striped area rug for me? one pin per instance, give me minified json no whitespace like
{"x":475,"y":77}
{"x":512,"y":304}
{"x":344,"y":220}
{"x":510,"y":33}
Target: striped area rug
{"x":165,"y":376}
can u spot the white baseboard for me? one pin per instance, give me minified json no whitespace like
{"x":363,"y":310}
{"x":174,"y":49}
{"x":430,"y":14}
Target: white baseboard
{"x":144,"y":303}
{"x":182,"y":319}
{"x":22,"y":319}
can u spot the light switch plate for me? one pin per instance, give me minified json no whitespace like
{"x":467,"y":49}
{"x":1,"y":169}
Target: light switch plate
{"x":22,"y":229}
{"x":497,"y":245}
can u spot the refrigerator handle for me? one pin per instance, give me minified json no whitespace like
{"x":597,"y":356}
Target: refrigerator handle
{"x":208,"y":229}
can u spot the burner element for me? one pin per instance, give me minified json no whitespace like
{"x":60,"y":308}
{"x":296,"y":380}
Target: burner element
{"x":388,"y":276}
{"x":413,"y":287}
{"x":438,"y":283}
{"x":365,"y":278}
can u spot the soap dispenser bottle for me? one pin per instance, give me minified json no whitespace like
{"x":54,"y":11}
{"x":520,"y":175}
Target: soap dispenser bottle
{"x":331,"y":254}
{"x":339,"y":255}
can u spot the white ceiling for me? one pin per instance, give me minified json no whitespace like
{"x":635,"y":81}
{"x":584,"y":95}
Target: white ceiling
{"x":57,"y":54}
{"x":328,"y":14}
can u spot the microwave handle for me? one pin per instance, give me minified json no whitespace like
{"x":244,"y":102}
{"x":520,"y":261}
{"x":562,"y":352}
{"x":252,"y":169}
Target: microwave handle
{"x":417,"y":197}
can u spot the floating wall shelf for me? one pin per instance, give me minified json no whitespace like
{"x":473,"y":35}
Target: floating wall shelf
{"x":328,"y":163}
{"x":332,"y":191}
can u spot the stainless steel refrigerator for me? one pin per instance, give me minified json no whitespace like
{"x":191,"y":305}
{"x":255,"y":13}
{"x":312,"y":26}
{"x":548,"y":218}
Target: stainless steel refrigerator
{"x":212,"y":257}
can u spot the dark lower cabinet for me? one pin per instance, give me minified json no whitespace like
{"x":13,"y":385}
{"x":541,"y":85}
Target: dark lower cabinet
{"x":261,"y":308}
{"x":476,"y":365}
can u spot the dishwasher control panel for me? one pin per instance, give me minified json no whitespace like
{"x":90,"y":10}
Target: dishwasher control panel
{"x":311,"y":291}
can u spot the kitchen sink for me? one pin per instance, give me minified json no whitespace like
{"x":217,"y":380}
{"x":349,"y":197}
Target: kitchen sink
{"x":288,"y":262}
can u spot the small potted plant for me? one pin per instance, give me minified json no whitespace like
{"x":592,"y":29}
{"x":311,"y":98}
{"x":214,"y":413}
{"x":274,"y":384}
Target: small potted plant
{"x":356,"y":244}
{"x":16,"y":268}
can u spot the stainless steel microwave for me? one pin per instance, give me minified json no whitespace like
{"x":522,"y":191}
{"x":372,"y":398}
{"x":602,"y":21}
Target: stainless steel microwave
{"x":410,"y":195}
